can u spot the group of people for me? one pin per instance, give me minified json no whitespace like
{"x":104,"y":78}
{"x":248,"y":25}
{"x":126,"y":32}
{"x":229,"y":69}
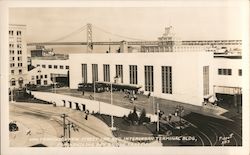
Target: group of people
{"x":130,"y":95}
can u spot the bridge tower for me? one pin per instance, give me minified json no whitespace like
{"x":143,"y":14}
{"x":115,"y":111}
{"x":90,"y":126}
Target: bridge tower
{"x":89,"y":38}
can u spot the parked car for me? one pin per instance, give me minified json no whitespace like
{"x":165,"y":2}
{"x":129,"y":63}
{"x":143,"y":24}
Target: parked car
{"x":13,"y":126}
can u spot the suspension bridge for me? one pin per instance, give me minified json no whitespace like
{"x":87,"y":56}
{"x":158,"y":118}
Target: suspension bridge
{"x":89,"y":43}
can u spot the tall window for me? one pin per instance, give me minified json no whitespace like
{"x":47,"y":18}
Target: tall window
{"x":13,"y":82}
{"x":11,"y":33}
{"x":224,"y":71}
{"x":18,"y":33}
{"x":205,"y":80}
{"x":240,"y":72}
{"x":84,"y":73}
{"x":119,"y":72}
{"x":133,"y":74}
{"x":106,"y":73}
{"x":149,"y":78}
{"x":94,"y":72}
{"x":166,"y":73}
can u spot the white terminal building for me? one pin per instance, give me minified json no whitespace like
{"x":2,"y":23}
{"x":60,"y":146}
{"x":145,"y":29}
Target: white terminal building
{"x":180,"y":76}
{"x":47,"y":72}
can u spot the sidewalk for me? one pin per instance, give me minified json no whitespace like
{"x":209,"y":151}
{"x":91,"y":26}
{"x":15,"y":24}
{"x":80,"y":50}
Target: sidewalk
{"x":167,"y":106}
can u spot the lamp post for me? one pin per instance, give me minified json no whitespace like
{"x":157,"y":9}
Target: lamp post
{"x":111,"y":100}
{"x":94,"y":89}
{"x":64,"y":129}
{"x":179,"y":110}
{"x":153,"y":103}
{"x":158,"y":118}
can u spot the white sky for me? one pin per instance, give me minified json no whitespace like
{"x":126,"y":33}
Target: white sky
{"x":190,"y":23}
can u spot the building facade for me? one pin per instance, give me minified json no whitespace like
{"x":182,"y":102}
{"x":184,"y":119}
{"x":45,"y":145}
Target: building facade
{"x":227,"y":75}
{"x":17,"y":56}
{"x":180,"y":76}
{"x":47,"y":71}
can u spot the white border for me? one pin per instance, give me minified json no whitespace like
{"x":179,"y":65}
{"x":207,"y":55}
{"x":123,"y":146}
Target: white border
{"x":6,"y":150}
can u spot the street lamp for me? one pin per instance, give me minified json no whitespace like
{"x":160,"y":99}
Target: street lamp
{"x":178,"y":111}
{"x":94,"y":89}
{"x":158,"y":118}
{"x":111,"y":100}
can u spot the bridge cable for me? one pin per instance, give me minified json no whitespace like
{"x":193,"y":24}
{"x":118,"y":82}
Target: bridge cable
{"x":113,"y":34}
{"x":70,"y":34}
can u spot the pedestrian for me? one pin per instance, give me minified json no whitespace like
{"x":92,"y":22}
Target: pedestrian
{"x":86,"y":117}
{"x":83,"y":92}
{"x":149,"y":94}
{"x":28,"y":132}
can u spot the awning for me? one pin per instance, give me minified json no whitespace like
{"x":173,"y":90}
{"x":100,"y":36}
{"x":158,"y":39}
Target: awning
{"x":121,"y":85}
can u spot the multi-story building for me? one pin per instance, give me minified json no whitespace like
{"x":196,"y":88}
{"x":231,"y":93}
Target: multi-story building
{"x":49,"y":70}
{"x":17,"y":56}
{"x":228,"y":77}
{"x":179,"y":76}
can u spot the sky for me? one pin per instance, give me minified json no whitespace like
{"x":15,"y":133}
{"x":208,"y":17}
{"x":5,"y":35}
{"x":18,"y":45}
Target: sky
{"x":144,"y":23}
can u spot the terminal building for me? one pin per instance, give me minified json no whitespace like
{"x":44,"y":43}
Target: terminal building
{"x":46,"y":71}
{"x":180,"y":76}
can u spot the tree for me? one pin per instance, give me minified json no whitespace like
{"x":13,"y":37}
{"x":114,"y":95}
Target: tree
{"x":142,"y":116}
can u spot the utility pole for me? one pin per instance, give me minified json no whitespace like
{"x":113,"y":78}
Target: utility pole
{"x":64,"y":128}
{"x":111,"y":99}
{"x":158,"y":120}
{"x":94,"y":89}
{"x":69,"y":127}
{"x":153,"y":103}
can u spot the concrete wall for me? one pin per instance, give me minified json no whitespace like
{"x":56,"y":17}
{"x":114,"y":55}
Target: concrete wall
{"x":90,"y":105}
{"x":187,"y":71}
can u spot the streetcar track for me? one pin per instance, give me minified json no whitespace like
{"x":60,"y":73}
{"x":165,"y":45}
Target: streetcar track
{"x":216,"y":136}
{"x":228,"y":129}
{"x":55,"y":114}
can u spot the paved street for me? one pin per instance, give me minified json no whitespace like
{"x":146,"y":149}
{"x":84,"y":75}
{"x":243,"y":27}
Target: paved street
{"x":45,"y":124}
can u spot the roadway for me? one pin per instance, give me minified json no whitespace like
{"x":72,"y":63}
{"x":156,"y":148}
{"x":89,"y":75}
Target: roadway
{"x":209,"y":127}
{"x":45,"y":124}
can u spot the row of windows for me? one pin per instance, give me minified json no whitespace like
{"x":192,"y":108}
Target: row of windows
{"x":18,"y":33}
{"x":19,"y":71}
{"x":225,"y":71}
{"x":17,"y":45}
{"x":39,"y":77}
{"x":18,"y":58}
{"x":13,"y":82}
{"x":133,"y":76}
{"x":54,"y":66}
{"x":13,"y":52}
{"x":18,"y":64}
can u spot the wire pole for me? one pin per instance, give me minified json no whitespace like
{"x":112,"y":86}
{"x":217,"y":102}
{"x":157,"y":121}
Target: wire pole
{"x":94,"y":89}
{"x":111,"y":99}
{"x":158,"y":123}
{"x":64,"y":128}
{"x":153,"y":103}
{"x":69,"y":124}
